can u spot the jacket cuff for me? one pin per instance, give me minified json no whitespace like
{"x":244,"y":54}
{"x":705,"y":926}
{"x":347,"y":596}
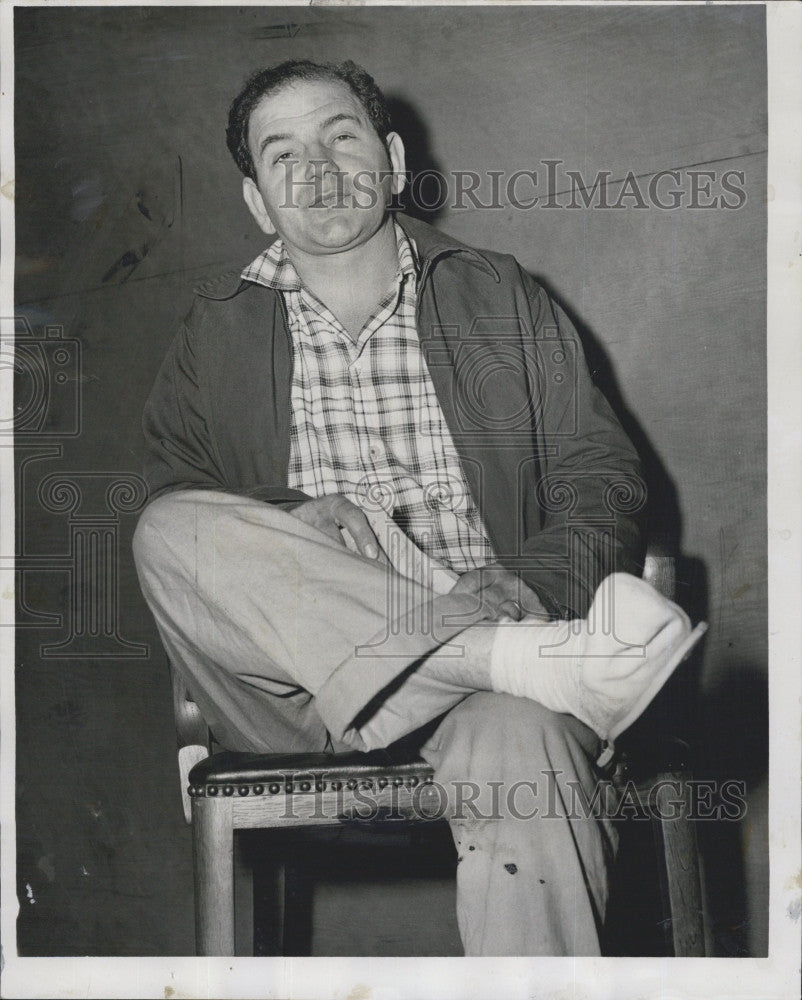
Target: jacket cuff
{"x":279,"y":496}
{"x":555,"y":611}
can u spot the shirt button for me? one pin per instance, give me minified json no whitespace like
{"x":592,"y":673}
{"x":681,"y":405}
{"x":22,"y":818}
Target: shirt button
{"x":376,"y":449}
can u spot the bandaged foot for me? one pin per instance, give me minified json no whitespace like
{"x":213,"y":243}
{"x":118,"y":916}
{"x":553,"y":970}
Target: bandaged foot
{"x":605,"y":669}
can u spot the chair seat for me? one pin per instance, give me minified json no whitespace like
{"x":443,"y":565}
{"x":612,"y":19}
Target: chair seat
{"x":298,"y":773}
{"x":320,"y":788}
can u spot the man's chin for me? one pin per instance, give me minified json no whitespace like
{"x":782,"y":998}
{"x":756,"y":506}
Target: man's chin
{"x":338,"y":232}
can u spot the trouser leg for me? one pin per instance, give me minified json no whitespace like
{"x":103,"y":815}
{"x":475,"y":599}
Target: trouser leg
{"x":526,"y":884}
{"x":282,"y":635}
{"x":265,"y":617}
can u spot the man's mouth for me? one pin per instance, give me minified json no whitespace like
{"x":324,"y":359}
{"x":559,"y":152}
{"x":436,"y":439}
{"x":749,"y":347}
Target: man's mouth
{"x":333,"y":199}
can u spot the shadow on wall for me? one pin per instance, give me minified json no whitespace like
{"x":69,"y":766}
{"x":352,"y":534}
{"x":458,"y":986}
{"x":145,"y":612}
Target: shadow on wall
{"x":420,"y":161}
{"x":733,"y":728}
{"x":728,"y":728}
{"x":728,"y":731}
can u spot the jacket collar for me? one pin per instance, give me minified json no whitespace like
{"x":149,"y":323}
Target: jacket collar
{"x":431,"y":244}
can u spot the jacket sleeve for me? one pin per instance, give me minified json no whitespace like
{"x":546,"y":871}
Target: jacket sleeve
{"x":180,"y":452}
{"x":590,"y":491}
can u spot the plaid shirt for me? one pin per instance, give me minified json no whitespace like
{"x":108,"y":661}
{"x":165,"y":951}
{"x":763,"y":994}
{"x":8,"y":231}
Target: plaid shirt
{"x":366,"y":422}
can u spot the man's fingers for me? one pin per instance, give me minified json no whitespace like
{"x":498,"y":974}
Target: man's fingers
{"x":312,"y":513}
{"x":331,"y":513}
{"x":330,"y":528}
{"x":468,"y":583}
{"x":511,"y":608}
{"x":350,"y":517}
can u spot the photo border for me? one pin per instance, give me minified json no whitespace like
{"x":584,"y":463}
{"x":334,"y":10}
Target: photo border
{"x":773,"y":978}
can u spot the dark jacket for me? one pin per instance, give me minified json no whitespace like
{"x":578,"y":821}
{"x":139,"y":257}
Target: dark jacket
{"x":555,"y":478}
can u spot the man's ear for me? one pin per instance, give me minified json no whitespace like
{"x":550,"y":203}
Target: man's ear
{"x":256,"y":206}
{"x":398,"y":161}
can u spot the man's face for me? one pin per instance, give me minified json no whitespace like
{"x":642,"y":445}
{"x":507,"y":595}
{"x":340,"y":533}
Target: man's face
{"x":323,"y":176}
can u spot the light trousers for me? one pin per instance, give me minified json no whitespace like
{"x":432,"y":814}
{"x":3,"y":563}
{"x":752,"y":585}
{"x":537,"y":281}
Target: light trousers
{"x":290,"y":642}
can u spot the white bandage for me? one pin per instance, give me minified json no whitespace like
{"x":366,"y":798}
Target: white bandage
{"x":604,"y":669}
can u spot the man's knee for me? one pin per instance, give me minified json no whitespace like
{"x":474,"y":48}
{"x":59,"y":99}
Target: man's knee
{"x":175,"y":524}
{"x":164,"y":531}
{"x":151,"y":529}
{"x":500,"y":736}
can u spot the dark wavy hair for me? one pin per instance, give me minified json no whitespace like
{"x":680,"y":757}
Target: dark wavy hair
{"x":266,"y":81}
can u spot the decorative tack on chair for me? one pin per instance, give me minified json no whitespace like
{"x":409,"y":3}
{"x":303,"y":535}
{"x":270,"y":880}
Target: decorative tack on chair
{"x":237,"y":791}
{"x":306,"y":789}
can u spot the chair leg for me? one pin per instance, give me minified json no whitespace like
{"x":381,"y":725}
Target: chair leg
{"x":243,"y":899}
{"x":296,"y":931}
{"x":677,"y":836}
{"x":213,"y":859}
{"x":268,"y":896}
{"x":282,"y":897}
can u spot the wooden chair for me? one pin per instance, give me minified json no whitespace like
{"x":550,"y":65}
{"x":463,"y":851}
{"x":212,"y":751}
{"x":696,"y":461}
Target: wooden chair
{"x":225,"y":792}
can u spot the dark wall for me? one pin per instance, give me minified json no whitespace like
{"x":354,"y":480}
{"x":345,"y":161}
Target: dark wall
{"x":126,"y":197}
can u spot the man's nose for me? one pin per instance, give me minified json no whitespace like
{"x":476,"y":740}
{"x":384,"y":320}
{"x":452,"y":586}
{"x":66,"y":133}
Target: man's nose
{"x":318,"y":163}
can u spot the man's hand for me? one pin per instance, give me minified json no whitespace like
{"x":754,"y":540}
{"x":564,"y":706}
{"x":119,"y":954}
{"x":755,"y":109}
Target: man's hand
{"x":501,"y":592}
{"x":331,"y":513}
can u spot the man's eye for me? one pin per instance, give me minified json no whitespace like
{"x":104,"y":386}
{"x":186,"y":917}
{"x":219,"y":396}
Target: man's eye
{"x":282,"y":157}
{"x":343,"y":135}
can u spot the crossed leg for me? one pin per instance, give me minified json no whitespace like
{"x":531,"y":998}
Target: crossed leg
{"x":288,"y":641}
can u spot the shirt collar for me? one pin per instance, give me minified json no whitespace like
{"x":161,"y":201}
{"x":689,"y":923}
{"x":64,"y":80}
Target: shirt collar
{"x":274,"y":269}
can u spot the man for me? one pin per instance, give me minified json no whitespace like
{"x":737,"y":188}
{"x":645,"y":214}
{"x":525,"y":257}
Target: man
{"x":384,"y":504}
